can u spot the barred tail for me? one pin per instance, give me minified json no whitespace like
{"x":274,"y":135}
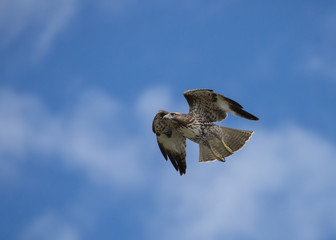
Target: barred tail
{"x":205,"y":154}
{"x":230,"y":141}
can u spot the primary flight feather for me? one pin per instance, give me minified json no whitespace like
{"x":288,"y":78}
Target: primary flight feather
{"x":215,"y":142}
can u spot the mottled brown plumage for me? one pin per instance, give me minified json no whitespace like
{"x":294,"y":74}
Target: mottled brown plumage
{"x":215,"y":142}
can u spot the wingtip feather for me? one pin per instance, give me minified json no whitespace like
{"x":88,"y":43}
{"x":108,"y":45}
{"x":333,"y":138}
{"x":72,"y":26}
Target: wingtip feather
{"x":242,"y":113}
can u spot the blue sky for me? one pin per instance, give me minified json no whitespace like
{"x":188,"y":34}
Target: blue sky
{"x":80,"y":82}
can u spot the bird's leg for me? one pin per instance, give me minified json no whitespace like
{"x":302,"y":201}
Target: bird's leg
{"x":226,"y":146}
{"x":217,"y":155}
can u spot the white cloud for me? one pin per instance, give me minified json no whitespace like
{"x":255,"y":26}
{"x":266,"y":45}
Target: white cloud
{"x":88,"y":136}
{"x":280,"y":186}
{"x":152,"y":100}
{"x":44,"y":19}
{"x":50,"y":227}
{"x":39,"y":22}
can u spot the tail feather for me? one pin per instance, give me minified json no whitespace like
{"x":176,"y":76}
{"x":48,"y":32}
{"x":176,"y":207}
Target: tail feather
{"x":205,"y":154}
{"x":231,"y":141}
{"x":235,"y":138}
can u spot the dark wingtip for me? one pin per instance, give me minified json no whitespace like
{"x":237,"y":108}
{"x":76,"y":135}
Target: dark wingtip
{"x":252,"y":117}
{"x":182,"y":171}
{"x":177,"y":162}
{"x":241,"y":113}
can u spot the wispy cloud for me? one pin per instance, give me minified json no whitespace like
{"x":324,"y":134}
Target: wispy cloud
{"x":42,"y":20}
{"x":37,"y":23}
{"x":60,"y":14}
{"x":85,"y":136}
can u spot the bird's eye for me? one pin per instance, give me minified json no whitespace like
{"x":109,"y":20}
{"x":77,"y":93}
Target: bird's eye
{"x":173,"y":114}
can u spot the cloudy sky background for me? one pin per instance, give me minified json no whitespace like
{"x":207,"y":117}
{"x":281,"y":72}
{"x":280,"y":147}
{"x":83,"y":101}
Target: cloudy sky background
{"x":80,"y":82}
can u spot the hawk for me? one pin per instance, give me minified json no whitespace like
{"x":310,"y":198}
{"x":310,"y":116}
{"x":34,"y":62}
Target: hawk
{"x":215,"y":142}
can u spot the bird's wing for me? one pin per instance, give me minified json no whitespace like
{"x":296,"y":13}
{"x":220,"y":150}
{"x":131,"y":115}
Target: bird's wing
{"x":208,"y":106}
{"x":171,"y":142}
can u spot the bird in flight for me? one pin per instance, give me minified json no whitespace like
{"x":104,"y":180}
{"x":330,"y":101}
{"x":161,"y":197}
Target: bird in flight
{"x":215,"y":142}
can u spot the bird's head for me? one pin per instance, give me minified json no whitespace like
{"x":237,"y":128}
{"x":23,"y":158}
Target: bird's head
{"x":176,"y":117}
{"x":171,"y":116}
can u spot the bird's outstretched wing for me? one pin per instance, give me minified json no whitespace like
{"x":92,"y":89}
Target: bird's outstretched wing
{"x":172,"y":143}
{"x":208,"y":106}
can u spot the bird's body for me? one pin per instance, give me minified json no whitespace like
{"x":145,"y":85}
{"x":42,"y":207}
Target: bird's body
{"x":215,"y":142}
{"x":199,"y":132}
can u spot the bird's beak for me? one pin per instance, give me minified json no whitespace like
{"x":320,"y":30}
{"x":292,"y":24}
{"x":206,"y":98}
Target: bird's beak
{"x":167,"y":116}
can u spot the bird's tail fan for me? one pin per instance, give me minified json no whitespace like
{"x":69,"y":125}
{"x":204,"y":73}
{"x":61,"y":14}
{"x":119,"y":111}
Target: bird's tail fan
{"x":234,"y":139}
{"x":230,"y":141}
